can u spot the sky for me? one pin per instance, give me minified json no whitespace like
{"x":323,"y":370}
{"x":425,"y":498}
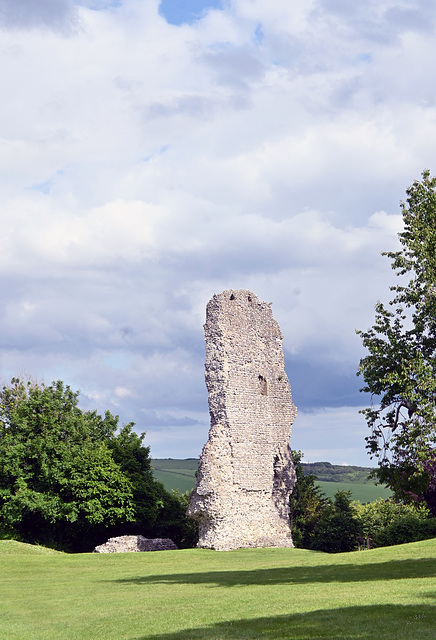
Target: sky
{"x":155,"y":153}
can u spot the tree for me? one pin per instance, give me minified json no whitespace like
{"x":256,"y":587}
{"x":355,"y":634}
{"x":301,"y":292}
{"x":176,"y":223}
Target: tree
{"x":58,"y":478}
{"x":338,"y":527}
{"x":133,"y":457}
{"x":400,"y":370}
{"x":70,"y":479}
{"x":306,"y":504}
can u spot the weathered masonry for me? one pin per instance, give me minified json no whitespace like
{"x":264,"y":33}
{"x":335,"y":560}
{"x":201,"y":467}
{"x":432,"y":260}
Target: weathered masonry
{"x":246,"y":473}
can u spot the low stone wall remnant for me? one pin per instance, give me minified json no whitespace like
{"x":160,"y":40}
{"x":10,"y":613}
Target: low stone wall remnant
{"x":124,"y":544}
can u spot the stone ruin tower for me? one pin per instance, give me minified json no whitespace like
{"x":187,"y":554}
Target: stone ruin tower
{"x":246,"y":472}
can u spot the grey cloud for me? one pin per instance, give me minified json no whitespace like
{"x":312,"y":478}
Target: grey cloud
{"x":316,"y":383}
{"x":57,"y":15}
{"x":192,"y":106}
{"x":155,"y":419}
{"x":413,"y":19}
{"x":233,"y":66}
{"x":375,"y":22}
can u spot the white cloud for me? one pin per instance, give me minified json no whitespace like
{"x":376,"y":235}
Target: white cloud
{"x":123,"y":392}
{"x":146,"y":166}
{"x":312,"y":434}
{"x":37,"y":235}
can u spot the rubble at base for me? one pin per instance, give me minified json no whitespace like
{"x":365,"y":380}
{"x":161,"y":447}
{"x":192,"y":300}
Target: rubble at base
{"x":125,"y":544}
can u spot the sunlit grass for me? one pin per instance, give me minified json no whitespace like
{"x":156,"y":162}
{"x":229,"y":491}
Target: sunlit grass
{"x":197,"y":594}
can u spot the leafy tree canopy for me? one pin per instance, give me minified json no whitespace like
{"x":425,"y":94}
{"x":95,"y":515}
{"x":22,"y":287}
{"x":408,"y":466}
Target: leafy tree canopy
{"x":400,"y":370}
{"x":69,"y":479}
{"x":55,"y":464}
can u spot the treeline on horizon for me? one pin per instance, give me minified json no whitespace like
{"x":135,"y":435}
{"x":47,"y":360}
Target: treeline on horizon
{"x":324,"y":471}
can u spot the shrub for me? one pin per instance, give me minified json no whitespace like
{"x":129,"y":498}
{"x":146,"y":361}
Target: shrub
{"x":338,"y":527}
{"x":389,"y":522}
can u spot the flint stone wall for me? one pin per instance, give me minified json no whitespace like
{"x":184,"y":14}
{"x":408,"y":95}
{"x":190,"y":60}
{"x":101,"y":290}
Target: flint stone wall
{"x":246,"y":473}
{"x":123,"y":544}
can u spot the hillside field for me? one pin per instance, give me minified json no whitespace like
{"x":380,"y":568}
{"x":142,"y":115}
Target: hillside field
{"x":195,"y":594}
{"x":180,"y":475}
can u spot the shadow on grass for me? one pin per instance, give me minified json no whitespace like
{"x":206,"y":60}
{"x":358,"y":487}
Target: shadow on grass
{"x":392,"y":570}
{"x":390,"y":622}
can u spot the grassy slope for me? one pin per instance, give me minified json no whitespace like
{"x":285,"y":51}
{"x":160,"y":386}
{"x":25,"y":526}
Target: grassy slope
{"x":180,"y":474}
{"x":175,"y":474}
{"x":277,"y":594}
{"x":362,"y":492}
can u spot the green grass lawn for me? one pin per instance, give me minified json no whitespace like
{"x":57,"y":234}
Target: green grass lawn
{"x":247,"y":594}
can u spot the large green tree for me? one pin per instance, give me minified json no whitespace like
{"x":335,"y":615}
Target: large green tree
{"x":400,"y":369}
{"x":58,"y":478}
{"x":71,"y":479}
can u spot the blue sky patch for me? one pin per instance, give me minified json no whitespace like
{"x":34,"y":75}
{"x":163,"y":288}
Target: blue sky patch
{"x":258,"y":34}
{"x":179,"y":12}
{"x":100,"y":5}
{"x":43,"y":187}
{"x":118,"y":360}
{"x":364,"y":57}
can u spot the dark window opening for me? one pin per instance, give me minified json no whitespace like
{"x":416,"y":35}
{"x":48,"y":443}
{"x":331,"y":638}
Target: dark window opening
{"x":263,"y":387}
{"x":278,"y":471}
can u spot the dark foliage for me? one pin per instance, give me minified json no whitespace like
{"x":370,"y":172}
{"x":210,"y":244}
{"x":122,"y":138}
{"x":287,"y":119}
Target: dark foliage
{"x":306,"y":504}
{"x":69,"y":481}
{"x":337,"y":528}
{"x":409,"y":528}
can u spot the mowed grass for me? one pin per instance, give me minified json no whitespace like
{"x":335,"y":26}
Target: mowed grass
{"x":192,"y":594}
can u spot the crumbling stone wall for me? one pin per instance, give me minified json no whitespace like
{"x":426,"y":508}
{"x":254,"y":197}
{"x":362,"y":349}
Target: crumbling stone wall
{"x":246,"y":474}
{"x":124,"y":544}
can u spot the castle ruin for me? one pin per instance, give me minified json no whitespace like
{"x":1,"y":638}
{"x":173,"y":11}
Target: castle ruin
{"x":246,"y":473}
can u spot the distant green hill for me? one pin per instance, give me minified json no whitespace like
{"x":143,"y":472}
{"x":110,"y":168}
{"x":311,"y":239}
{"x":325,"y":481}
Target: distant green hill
{"x":175,"y":474}
{"x":327,"y":472}
{"x":180,"y":475}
